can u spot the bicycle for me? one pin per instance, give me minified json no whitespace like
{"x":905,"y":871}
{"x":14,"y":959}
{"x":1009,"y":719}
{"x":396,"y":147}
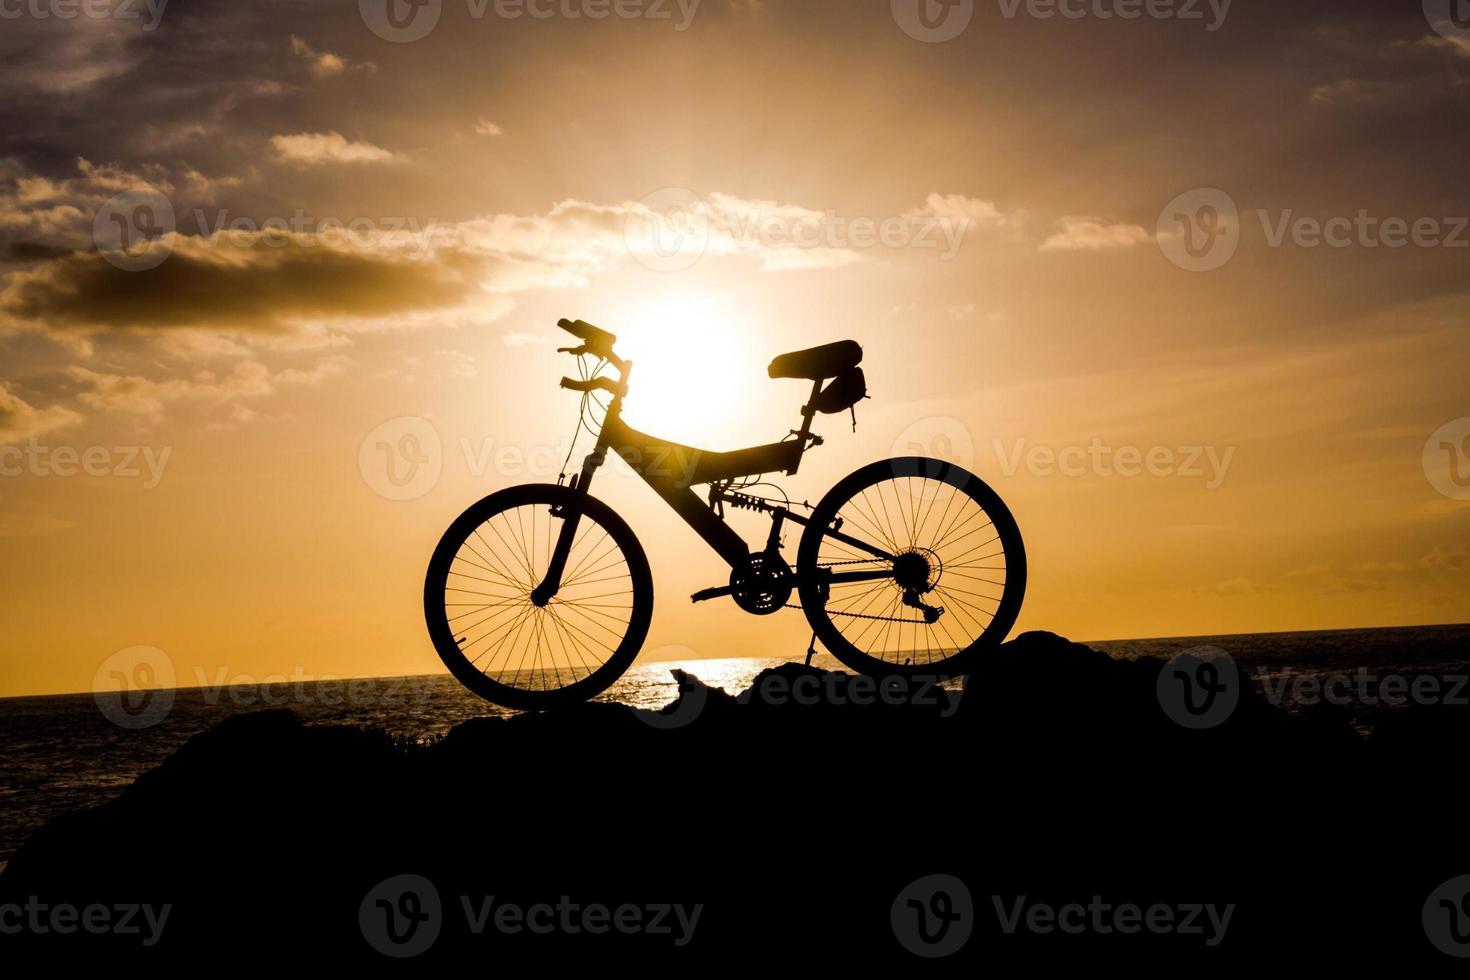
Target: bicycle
{"x":540,"y":595}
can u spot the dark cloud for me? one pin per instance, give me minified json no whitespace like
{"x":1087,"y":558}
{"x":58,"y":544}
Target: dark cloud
{"x":259,"y":286}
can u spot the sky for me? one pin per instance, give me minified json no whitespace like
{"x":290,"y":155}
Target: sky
{"x":1185,"y":282}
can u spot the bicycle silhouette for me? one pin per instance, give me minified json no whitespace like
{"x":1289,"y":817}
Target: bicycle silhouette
{"x":540,"y":595}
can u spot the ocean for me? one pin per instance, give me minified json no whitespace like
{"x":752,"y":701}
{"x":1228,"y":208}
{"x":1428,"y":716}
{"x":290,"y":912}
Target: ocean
{"x":62,"y":753}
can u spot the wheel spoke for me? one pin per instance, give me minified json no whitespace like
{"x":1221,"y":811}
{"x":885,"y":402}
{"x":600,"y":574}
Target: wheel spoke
{"x":949,"y":553}
{"x":516,"y":644}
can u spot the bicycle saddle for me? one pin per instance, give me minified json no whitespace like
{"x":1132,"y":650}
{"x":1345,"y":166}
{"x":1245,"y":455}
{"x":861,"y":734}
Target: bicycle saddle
{"x":817,"y":363}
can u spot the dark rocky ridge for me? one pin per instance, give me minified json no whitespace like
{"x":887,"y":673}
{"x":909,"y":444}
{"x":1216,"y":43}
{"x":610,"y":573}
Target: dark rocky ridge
{"x":795,"y":821}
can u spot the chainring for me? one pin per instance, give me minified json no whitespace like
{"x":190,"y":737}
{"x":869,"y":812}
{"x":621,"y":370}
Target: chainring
{"x":762,"y":584}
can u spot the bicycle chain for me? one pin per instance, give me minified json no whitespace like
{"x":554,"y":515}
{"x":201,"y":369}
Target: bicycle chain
{"x":853,"y":615}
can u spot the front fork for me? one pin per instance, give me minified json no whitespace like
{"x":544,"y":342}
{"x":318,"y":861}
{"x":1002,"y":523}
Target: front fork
{"x":571,"y":516}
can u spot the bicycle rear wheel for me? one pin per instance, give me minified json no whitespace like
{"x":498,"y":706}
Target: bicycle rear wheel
{"x":506,"y":648}
{"x":955,"y":546}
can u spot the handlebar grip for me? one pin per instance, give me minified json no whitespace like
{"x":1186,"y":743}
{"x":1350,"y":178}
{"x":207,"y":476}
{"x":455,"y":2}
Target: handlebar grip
{"x":596,"y":338}
{"x":594,"y":384}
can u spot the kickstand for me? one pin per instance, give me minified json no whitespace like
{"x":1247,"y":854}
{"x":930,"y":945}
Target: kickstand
{"x":811,"y":649}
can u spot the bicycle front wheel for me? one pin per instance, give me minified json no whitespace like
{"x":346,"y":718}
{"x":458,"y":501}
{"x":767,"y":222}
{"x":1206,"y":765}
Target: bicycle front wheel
{"x":505,"y":647}
{"x":953,"y":546}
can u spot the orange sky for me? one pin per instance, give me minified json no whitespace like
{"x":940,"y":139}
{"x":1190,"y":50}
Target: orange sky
{"x":1227,"y":439}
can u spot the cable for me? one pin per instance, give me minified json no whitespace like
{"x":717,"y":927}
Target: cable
{"x":582,"y":413}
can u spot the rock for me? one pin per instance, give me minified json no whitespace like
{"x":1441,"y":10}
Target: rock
{"x":793,"y":813}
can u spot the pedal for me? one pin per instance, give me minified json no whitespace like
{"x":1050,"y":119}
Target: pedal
{"x":715,"y":593}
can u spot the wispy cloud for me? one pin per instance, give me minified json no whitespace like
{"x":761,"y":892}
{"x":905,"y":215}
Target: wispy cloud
{"x":19,"y":420}
{"x":329,"y":147}
{"x":1093,"y":234}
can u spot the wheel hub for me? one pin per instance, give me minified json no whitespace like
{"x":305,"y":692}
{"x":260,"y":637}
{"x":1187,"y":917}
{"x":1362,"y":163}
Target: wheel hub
{"x":916,"y":570}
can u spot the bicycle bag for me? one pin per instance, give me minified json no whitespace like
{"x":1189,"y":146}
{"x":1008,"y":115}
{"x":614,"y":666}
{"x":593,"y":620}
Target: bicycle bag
{"x":842,"y":392}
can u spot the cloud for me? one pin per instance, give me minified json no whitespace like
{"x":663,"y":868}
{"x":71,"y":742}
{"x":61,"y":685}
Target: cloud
{"x":1232,"y":588}
{"x":15,"y":526}
{"x":20,"y":421}
{"x":260,"y":281}
{"x":791,"y":257}
{"x":329,"y":147}
{"x":244,"y":381}
{"x":279,"y":283}
{"x":485,"y":127}
{"x":1453,"y":42}
{"x":1447,"y":558}
{"x":522,"y":338}
{"x":1092,"y":234}
{"x":973,"y":210}
{"x":325,"y":64}
{"x":43,"y":218}
{"x":68,"y":57}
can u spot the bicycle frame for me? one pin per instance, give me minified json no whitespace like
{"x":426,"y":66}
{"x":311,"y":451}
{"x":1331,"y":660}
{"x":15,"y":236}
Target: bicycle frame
{"x":672,"y":469}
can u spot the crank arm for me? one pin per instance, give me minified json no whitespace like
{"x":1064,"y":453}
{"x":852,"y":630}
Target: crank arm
{"x":714,"y":593}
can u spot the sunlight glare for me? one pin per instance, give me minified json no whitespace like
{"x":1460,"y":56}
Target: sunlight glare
{"x":694,"y":368}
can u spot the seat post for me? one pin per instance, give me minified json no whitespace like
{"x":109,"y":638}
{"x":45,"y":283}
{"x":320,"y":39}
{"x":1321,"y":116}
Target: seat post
{"x":809,"y":411}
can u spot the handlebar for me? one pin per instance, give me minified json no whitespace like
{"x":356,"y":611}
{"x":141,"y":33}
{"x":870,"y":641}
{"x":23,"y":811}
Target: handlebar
{"x":594,"y":384}
{"x":595,"y":339}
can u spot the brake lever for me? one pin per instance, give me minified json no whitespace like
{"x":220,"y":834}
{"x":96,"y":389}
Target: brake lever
{"x":578,"y":351}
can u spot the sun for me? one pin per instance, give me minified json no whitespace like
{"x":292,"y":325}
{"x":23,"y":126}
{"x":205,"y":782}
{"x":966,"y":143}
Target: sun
{"x":695,"y":365}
